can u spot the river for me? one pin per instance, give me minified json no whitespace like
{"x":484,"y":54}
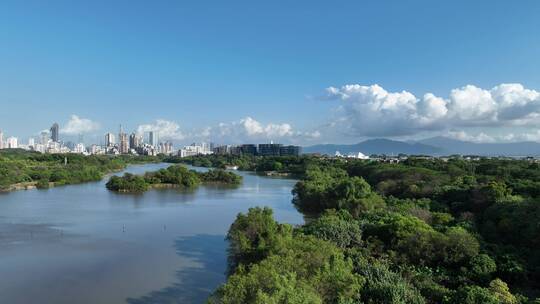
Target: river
{"x":85,"y":244}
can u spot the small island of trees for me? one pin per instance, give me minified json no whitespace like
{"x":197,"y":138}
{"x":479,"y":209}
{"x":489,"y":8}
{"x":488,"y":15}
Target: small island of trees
{"x":176,"y":176}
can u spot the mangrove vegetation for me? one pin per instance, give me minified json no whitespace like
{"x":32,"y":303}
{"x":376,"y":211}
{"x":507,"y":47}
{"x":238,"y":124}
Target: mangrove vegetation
{"x":451,"y":231}
{"x":20,"y":169}
{"x":175,"y":176}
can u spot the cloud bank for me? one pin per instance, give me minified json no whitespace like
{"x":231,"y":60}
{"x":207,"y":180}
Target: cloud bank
{"x":166,"y":129}
{"x":508,"y":112}
{"x":374,"y":111}
{"x":250,"y":129}
{"x":243,"y":130}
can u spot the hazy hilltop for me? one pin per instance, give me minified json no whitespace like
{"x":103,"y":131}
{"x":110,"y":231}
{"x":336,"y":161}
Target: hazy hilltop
{"x":375,"y":146}
{"x":439,"y":145}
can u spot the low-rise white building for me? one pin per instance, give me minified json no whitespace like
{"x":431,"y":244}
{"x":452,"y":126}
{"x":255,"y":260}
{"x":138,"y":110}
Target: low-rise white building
{"x":194,"y":149}
{"x":358,"y":155}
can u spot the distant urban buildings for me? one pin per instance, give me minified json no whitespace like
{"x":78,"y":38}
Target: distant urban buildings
{"x":123,"y":143}
{"x":248,"y":149}
{"x":12,"y":143}
{"x":95,"y":149}
{"x":166,"y":148}
{"x":109,"y":140}
{"x":269,"y":149}
{"x":358,"y":155}
{"x":54,"y":130}
{"x":245,"y":149}
{"x":195,"y":149}
{"x":79,"y":148}
{"x":44,"y":137}
{"x":290,"y":150}
{"x":135,"y":143}
{"x":153,"y":138}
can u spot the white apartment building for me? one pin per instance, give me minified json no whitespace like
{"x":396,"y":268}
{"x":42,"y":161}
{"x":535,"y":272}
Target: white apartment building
{"x":109,"y":140}
{"x":12,"y":142}
{"x":79,"y":148}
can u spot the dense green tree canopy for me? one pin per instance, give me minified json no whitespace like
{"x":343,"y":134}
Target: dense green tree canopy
{"x":43,"y":170}
{"x":420,"y":231}
{"x":173,"y":176}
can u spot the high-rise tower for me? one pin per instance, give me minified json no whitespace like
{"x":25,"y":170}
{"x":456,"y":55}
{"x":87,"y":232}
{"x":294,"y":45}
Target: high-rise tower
{"x":109,"y":140}
{"x":153,"y":138}
{"x":54,"y":132}
{"x":123,"y":147}
{"x":134,"y":141}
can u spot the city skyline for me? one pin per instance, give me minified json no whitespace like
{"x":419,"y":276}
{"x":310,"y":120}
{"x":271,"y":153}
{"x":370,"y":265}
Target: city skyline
{"x":139,"y":143}
{"x":232,"y":72}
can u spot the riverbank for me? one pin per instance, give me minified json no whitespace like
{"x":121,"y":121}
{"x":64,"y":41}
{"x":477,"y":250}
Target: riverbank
{"x":19,"y":186}
{"x":26,"y":170}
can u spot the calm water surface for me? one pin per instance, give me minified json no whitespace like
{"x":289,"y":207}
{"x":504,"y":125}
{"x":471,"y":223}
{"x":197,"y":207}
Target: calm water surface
{"x":85,"y":244}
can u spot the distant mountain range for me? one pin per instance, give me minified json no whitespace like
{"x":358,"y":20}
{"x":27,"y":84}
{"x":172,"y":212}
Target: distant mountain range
{"x":376,"y":146}
{"x":431,"y":146}
{"x":453,"y":146}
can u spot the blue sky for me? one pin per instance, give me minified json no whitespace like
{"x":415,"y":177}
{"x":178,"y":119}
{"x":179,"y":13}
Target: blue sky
{"x":253,"y":70}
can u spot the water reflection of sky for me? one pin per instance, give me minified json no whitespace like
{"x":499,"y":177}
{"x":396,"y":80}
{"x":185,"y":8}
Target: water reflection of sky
{"x":84,"y":244}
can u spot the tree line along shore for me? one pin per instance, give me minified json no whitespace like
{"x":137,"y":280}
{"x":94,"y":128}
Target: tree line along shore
{"x":21,"y":169}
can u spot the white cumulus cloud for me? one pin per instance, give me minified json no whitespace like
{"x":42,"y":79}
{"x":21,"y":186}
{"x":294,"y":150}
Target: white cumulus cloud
{"x":165,"y":128}
{"x":374,"y":111}
{"x":78,"y":125}
{"x":249,"y":129}
{"x":472,"y":105}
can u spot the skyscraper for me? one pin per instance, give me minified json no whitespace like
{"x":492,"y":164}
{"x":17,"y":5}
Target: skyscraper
{"x":123,"y":147}
{"x":54,"y":132}
{"x":1,"y":140}
{"x":109,"y":140}
{"x":153,"y":138}
{"x":44,"y":138}
{"x":134,"y":141}
{"x":123,"y":143}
